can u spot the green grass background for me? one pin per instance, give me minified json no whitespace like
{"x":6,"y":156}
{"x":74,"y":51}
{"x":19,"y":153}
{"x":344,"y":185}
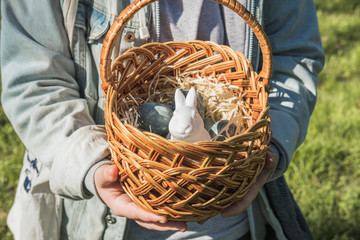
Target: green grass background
{"x":324,"y":175}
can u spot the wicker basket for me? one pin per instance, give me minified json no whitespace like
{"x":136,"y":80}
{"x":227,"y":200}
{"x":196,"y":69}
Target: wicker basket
{"x":185,"y":181}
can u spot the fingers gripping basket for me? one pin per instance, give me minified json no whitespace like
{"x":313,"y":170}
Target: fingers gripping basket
{"x":185,"y":181}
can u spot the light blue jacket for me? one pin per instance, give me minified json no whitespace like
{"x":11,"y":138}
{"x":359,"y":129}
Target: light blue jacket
{"x":51,"y":94}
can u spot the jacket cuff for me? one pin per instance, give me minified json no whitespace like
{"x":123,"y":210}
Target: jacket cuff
{"x":285,"y":132}
{"x":89,"y":181}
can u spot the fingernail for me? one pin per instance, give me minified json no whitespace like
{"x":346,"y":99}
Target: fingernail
{"x":163,"y":220}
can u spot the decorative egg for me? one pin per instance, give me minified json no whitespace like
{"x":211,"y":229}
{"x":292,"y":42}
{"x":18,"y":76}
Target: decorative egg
{"x":208,"y":123}
{"x":220,"y":125}
{"x":155,"y":117}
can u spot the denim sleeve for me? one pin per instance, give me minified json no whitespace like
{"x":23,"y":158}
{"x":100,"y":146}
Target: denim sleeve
{"x":40,"y":94}
{"x":292,"y":28}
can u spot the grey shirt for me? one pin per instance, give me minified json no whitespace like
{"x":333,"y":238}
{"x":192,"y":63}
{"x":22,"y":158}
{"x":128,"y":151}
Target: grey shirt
{"x":185,"y":21}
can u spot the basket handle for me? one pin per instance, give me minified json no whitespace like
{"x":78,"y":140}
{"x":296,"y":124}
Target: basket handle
{"x":133,"y":8}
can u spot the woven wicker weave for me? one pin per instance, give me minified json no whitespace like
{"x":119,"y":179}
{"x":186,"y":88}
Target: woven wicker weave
{"x":185,"y":181}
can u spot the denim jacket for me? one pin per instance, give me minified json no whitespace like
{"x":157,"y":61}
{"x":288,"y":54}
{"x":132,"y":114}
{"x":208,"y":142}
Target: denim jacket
{"x":51,"y":93}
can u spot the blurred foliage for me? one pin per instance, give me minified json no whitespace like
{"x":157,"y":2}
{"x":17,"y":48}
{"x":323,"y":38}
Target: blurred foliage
{"x":11,"y":155}
{"x":324,"y":174}
{"x":337,"y":6}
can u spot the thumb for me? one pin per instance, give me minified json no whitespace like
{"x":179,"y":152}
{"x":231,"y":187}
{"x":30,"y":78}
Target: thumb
{"x":271,"y":161}
{"x":106,"y":174}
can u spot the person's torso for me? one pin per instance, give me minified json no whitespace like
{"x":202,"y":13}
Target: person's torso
{"x":166,"y":21}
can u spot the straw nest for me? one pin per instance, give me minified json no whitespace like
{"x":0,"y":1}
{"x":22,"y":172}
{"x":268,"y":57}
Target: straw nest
{"x":222,"y":100}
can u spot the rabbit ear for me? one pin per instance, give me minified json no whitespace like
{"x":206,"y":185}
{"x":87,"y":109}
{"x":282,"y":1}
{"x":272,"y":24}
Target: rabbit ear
{"x":179,"y":98}
{"x":191,"y":98}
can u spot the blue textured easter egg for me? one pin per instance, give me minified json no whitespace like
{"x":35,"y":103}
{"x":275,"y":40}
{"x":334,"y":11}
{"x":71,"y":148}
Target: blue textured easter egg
{"x":208,"y":123}
{"x":155,"y":117}
{"x":218,"y":126}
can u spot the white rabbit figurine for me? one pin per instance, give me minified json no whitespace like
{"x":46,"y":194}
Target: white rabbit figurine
{"x":186,"y":123}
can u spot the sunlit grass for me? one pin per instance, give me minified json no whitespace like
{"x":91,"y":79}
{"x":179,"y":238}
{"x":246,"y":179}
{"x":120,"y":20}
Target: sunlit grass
{"x":11,"y":154}
{"x":324,"y":175}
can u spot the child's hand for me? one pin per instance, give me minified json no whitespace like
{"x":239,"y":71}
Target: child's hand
{"x":112,"y":194}
{"x":236,"y":208}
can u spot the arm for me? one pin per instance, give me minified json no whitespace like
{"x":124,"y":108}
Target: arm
{"x":298,"y":58}
{"x":41,"y":96}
